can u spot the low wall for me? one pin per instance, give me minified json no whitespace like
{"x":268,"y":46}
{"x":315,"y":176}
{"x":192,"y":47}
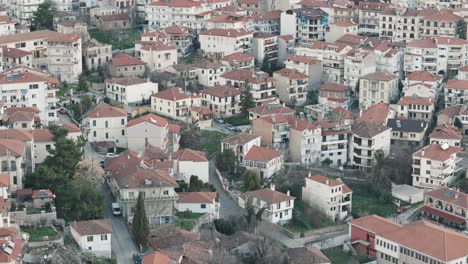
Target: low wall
{"x":43,"y":218}
{"x":314,"y":232}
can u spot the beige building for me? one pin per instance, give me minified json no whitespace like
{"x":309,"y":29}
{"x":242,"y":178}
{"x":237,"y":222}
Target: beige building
{"x":114,"y":22}
{"x":377,"y":87}
{"x":96,"y":54}
{"x":174,"y":103}
{"x":74,"y":27}
{"x":273,"y":129}
{"x":148,"y":130}
{"x":435,"y":166}
{"x":221,"y":42}
{"x":64,"y":57}
{"x":12,"y":156}
{"x":291,"y":86}
{"x":304,"y":141}
{"x":308,"y":66}
{"x":7,"y":26}
{"x":340,"y":28}
{"x":407,"y":131}
{"x":266,"y":161}
{"x":366,"y":140}
{"x":456,"y":92}
{"x":158,"y":56}
{"x":223,"y":101}
{"x":332,"y":197}
{"x":414,"y":107}
{"x":369,"y":13}
{"x":13,"y":57}
{"x":124,"y":65}
{"x":107,"y":124}
{"x":240,"y":144}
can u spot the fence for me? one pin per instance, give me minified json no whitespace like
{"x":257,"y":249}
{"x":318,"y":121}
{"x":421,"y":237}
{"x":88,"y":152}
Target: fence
{"x":42,"y":218}
{"x":314,"y":232}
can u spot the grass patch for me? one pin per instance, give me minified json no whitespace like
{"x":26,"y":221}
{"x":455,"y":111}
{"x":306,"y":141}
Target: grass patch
{"x":119,"y":39}
{"x":188,"y":215}
{"x":238,"y":120}
{"x":297,"y":228}
{"x":338,"y":256}
{"x":186,"y":224}
{"x":210,"y":141}
{"x":366,"y":202}
{"x":37,"y":234}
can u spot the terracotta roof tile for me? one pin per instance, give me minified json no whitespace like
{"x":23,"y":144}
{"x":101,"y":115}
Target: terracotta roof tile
{"x":28,"y":36}
{"x":423,"y":76}
{"x":377,"y":113}
{"x":150,"y":119}
{"x":239,"y":139}
{"x":275,"y":14}
{"x":436,"y":152}
{"x":173,"y":128}
{"x":237,"y":58}
{"x":336,"y":87}
{"x":302,"y":59}
{"x":269,"y":196}
{"x":21,"y":116}
{"x":376,"y":224}
{"x":380,"y":76}
{"x":445,"y":132}
{"x":275,"y":119}
{"x":123,"y":59}
{"x":155,"y":258}
{"x":171,"y":94}
{"x":15,"y":53}
{"x":257,"y":153}
{"x":104,"y":110}
{"x":222,"y":91}
{"x":71,"y":128}
{"x":176,"y":3}
{"x":67,"y":38}
{"x":290,"y":74}
{"x":298,"y":124}
{"x":92,"y":227}
{"x":39,"y":194}
{"x":457,"y":84}
{"x":450,"y":196}
{"x":230,"y":33}
{"x":42,"y":135}
{"x":196,"y":197}
{"x":415,"y":100}
{"x":189,"y":155}
{"x":271,"y":109}
{"x":368,"y":130}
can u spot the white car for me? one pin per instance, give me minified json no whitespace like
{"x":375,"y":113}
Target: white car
{"x":116,"y":209}
{"x":111,"y":155}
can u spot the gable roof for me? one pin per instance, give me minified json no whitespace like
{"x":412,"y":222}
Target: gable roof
{"x":290,"y":74}
{"x":104,"y":110}
{"x":149,"y":118}
{"x":268,"y":195}
{"x":368,"y":130}
{"x":307,"y":255}
{"x":11,"y":147}
{"x":189,"y":155}
{"x":377,"y":113}
{"x":155,"y":258}
{"x":123,"y":59}
{"x":222,"y":91}
{"x":450,"y":195}
{"x":437,"y":152}
{"x":271,"y":109}
{"x":407,"y":125}
{"x":445,"y":132}
{"x":42,"y":135}
{"x":239,"y":138}
{"x":171,"y":94}
{"x":457,"y":84}
{"x":196,"y":197}
{"x":375,"y":224}
{"x":380,"y":76}
{"x":92,"y":227}
{"x":262,"y":154}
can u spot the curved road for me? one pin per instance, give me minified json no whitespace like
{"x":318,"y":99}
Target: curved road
{"x":227,"y":206}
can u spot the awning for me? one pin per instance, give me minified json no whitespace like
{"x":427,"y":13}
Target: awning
{"x":453,"y":218}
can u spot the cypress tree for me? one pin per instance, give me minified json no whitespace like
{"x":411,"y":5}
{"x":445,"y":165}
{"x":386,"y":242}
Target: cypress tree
{"x":140,"y":226}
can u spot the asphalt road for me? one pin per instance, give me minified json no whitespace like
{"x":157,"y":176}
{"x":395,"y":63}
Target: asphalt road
{"x":227,"y":206}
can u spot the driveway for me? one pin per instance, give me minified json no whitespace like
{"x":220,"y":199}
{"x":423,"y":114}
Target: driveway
{"x":227,"y":206}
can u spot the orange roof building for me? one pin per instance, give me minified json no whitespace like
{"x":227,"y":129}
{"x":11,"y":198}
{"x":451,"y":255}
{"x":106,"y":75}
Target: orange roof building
{"x":265,"y":161}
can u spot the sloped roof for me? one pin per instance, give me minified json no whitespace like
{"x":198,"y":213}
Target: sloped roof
{"x":104,"y":110}
{"x":269,"y":196}
{"x":368,"y":130}
{"x":92,"y":227}
{"x":150,"y":119}
{"x":189,"y":155}
{"x":196,"y":197}
{"x":436,"y":152}
{"x":262,"y":154}
{"x":239,"y":138}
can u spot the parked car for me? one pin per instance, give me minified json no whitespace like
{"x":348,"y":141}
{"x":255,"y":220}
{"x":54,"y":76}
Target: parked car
{"x":219,"y":120}
{"x":63,"y":111}
{"x":111,"y":155}
{"x":230,"y":127}
{"x":137,"y":258}
{"x":116,"y":209}
{"x":101,"y":163}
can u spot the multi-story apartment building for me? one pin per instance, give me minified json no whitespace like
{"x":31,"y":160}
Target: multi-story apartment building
{"x":130,"y":91}
{"x":437,"y":55}
{"x":127,"y":178}
{"x":377,"y":87}
{"x":268,"y":22}
{"x":12,"y":157}
{"x":334,"y":95}
{"x":366,"y":140}
{"x":180,"y":38}
{"x":107,"y":124}
{"x":435,"y":166}
{"x":273,"y":129}
{"x":62,"y":5}
{"x":446,"y":134}
{"x":279,"y":206}
{"x":74,"y":27}
{"x":13,"y":57}
{"x":407,"y":131}
{"x":334,"y":146}
{"x":285,"y":47}
{"x":209,"y":73}
{"x":265,"y":48}
{"x":446,"y":206}
{"x":389,"y":242}
{"x":406,"y":24}
{"x":22,"y":11}
{"x":340,"y":28}
{"x":332,"y":197}
{"x":222,"y":42}
{"x":304,"y":24}
{"x":228,"y":21}
{"x":369,"y":13}
{"x":238,"y":60}
{"x":309,"y":66}
{"x":415,"y":107}
{"x":162,"y":14}
{"x":123,"y":65}
{"x":64,"y":59}
{"x":174,"y":102}
{"x":304,"y":141}
{"x":455,"y":92}
{"x":261,"y":85}
{"x":223,"y":101}
{"x":7,"y":26}
{"x":158,"y":56}
{"x":332,"y":56}
{"x":358,"y":63}
{"x":28,"y":89}
{"x":96,"y":54}
{"x":291,"y":86}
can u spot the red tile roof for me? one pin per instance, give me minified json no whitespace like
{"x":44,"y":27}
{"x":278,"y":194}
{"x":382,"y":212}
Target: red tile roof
{"x":23,"y":77}
{"x":222,"y":91}
{"x":271,"y":109}
{"x":64,"y":38}
{"x":39,"y":194}
{"x":201,"y":110}
{"x":12,"y":147}
{"x":20,"y":116}
{"x":377,"y":113}
{"x":436,"y":152}
{"x":150,"y":119}
{"x":450,"y":196}
{"x":423,"y":76}
{"x":104,"y":110}
{"x":238,"y":74}
{"x":123,"y":59}
{"x":171,"y":94}
{"x":15,"y":53}
{"x":71,"y":128}
{"x":274,"y":119}
{"x":415,"y":100}
{"x":196,"y":197}
{"x":380,"y":76}
{"x":445,"y":132}
{"x":176,"y":3}
{"x":257,"y":153}
{"x":28,"y":36}
{"x":275,"y":14}
{"x":15,"y":251}
{"x":230,"y":33}
{"x":336,"y":87}
{"x":189,"y":155}
{"x":345,"y":24}
{"x":155,"y":258}
{"x":302,"y":59}
{"x":173,"y":128}
{"x":298,"y":124}
{"x":92,"y":227}
{"x":290,"y":74}
{"x":457,"y":84}
{"x":42,"y":135}
{"x":237,"y":58}
{"x":269,"y":196}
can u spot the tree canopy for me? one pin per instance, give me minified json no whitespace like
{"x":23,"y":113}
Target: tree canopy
{"x":251,"y":180}
{"x":76,"y":199}
{"x":140,"y":225}
{"x":246,"y":100}
{"x":43,"y":17}
{"x":226,"y":161}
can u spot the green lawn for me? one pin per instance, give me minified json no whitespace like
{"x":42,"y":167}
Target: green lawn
{"x":119,"y":39}
{"x":365,"y":202}
{"x":238,"y":120}
{"x":38,"y":233}
{"x":295,"y":228}
{"x":186,"y":224}
{"x":210,"y":141}
{"x":188,"y":215}
{"x":338,"y":256}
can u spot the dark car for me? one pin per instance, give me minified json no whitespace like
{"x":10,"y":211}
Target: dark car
{"x":137,"y":259}
{"x":62,"y":111}
{"x":101,"y":163}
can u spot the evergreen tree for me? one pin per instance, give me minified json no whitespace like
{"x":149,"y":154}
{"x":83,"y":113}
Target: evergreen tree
{"x":246,"y":100}
{"x":43,"y":18}
{"x":251,"y":180}
{"x":82,"y":83}
{"x":226,"y":161}
{"x":266,"y":67}
{"x":140,"y":226}
{"x":458,"y":123}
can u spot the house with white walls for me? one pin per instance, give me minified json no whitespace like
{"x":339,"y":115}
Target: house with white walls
{"x":265,"y":161}
{"x":130,"y":91}
{"x":148,"y":130}
{"x":199,"y":202}
{"x":188,"y":162}
{"x":240,"y":144}
{"x":106,"y":123}
{"x":93,"y":236}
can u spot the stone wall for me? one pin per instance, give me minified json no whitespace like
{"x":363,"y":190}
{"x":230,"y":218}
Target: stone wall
{"x":43,"y":218}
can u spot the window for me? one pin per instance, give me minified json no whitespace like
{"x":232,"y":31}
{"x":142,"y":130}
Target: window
{"x":94,"y":122}
{"x":131,"y":194}
{"x":94,"y":133}
{"x":166,"y":192}
{"x":203,"y":206}
{"x":90,"y":238}
{"x":122,"y":121}
{"x":103,"y":237}
{"x":24,"y":125}
{"x":107,"y":124}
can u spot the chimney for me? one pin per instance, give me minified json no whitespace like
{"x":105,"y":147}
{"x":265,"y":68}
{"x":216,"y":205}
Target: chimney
{"x":272,"y":187}
{"x":288,"y":192}
{"x":422,"y":153}
{"x":147,"y":182}
{"x":360,"y":113}
{"x":128,"y":156}
{"x":327,"y":182}
{"x":310,"y":174}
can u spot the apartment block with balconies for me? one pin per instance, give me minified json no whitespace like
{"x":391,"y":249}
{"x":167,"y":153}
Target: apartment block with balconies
{"x":273,"y":129}
{"x":64,"y":59}
{"x":377,"y":87}
{"x":96,"y":54}
{"x":334,"y":144}
{"x":436,"y":166}
{"x":265,"y":48}
{"x":366,"y":140}
{"x":446,"y":206}
{"x":305,"y":24}
{"x":456,"y":92}
{"x":291,"y":86}
{"x":332,"y":197}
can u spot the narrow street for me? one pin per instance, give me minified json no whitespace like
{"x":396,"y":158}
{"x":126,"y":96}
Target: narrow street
{"x":227,"y":206}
